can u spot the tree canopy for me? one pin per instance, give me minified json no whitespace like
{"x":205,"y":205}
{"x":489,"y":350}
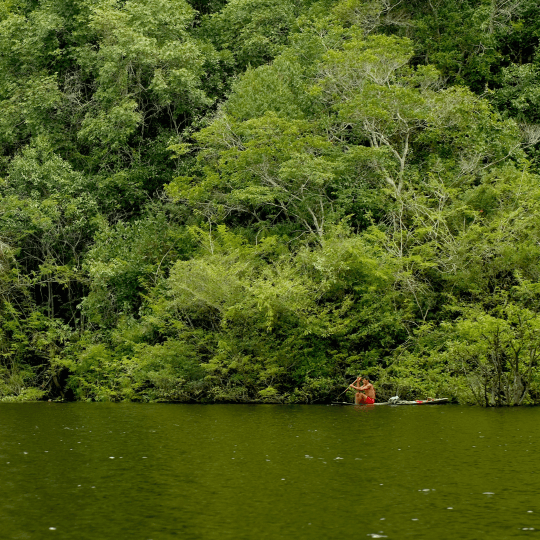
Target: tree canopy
{"x":254,"y":201}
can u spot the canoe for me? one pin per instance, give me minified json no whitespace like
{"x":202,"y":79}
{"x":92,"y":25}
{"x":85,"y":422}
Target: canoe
{"x":438,"y":401}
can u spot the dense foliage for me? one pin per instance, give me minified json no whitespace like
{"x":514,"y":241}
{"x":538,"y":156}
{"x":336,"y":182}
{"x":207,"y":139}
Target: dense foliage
{"x":255,"y":200}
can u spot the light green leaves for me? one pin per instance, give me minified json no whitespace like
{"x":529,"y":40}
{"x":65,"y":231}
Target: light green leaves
{"x":268,"y":164}
{"x":498,"y":352}
{"x":146,"y":63}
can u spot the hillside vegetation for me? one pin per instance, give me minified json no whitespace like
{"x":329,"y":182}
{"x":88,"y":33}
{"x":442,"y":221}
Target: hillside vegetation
{"x":256,"y":200}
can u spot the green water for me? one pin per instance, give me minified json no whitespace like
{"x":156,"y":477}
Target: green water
{"x":265,"y":471}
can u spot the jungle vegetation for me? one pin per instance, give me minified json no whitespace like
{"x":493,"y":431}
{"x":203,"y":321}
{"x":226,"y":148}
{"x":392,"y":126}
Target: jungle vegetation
{"x":256,"y":200}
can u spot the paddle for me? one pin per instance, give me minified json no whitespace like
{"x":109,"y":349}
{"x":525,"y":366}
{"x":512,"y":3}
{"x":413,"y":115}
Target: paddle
{"x":348,"y":388}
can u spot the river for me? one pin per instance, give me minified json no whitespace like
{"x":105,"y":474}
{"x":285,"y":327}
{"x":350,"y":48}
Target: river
{"x":157,"y":472}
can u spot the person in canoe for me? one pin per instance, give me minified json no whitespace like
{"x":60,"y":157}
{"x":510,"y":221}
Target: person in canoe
{"x":360,"y":398}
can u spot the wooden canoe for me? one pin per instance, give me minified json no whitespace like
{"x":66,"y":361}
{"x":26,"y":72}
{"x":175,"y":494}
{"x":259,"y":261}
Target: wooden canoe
{"x":438,"y":401}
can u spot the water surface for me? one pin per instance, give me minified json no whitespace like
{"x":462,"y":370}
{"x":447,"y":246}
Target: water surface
{"x":160,"y":472}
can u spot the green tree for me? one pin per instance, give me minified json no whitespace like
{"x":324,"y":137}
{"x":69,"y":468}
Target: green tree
{"x":252,"y":31}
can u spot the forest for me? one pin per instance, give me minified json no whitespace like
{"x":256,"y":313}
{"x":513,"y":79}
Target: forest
{"x":257,"y":200}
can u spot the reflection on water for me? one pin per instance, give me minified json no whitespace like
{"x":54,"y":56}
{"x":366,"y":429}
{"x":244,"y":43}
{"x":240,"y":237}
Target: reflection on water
{"x":100,"y":471}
